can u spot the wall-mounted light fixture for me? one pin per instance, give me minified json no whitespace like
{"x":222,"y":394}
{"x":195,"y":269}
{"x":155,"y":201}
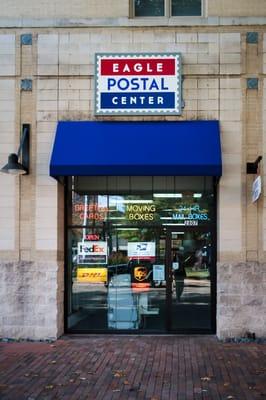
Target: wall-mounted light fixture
{"x":252,"y":167}
{"x":13,"y":166}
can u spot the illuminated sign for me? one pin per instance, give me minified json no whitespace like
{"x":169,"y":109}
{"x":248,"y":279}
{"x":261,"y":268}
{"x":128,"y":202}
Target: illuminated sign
{"x":138,"y":84}
{"x":191,"y":213}
{"x":141,"y":276}
{"x":92,"y":275}
{"x":140,"y":212}
{"x":92,"y":252}
{"x":91,"y":211}
{"x":140,"y":273}
{"x":201,"y":217}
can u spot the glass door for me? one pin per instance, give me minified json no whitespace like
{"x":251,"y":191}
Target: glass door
{"x":118,"y":279}
{"x":136,"y":288}
{"x":190,"y":280}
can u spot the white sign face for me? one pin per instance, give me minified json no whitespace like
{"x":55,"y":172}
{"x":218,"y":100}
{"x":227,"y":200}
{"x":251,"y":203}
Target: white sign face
{"x":92,"y":252}
{"x":256,"y":189}
{"x":141,"y":249}
{"x":158,"y":272}
{"x":138,"y":84}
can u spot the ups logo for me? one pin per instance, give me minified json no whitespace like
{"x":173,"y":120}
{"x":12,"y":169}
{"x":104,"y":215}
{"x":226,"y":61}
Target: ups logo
{"x":140,"y":273}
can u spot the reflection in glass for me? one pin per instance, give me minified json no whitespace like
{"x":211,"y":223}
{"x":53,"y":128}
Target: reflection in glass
{"x":149,"y":8}
{"x":118,"y":269}
{"x":89,"y":209}
{"x":118,"y":281}
{"x":191,"y":271}
{"x":122,"y":310}
{"x":186,"y":208}
{"x":186,"y":7}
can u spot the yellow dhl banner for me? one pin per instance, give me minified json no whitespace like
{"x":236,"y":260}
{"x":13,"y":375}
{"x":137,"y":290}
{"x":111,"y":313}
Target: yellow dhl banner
{"x":92,"y":275}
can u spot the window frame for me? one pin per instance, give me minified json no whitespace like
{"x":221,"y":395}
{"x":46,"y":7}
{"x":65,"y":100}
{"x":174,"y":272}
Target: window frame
{"x":167,"y":11}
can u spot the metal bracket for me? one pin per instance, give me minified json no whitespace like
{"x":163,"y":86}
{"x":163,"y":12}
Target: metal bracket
{"x":252,"y":167}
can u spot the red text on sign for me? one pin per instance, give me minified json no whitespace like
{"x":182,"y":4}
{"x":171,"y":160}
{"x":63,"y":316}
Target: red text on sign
{"x":141,"y":66}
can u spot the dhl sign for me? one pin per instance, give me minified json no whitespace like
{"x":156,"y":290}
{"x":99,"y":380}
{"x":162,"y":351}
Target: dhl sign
{"x":92,"y":275}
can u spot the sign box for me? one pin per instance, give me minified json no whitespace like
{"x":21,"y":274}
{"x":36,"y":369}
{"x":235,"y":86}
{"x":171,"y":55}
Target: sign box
{"x":256,"y":189}
{"x":92,"y":275}
{"x":143,"y":250}
{"x":90,"y":252}
{"x":138,"y":84}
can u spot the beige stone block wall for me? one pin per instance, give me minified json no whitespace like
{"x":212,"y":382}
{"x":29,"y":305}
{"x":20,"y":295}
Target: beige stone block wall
{"x":7,"y":55}
{"x":74,"y":9}
{"x":201,"y":96}
{"x":241,"y":8}
{"x":64,"y":8}
{"x":8,"y":144}
{"x":264,"y":53}
{"x":47,"y":54}
{"x":230,"y":53}
{"x":46,"y":187}
{"x":230,"y":225}
{"x":8,"y":212}
{"x":202,"y":54}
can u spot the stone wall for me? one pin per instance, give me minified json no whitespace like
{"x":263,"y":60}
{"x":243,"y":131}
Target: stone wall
{"x":31,"y":300}
{"x":74,"y":9}
{"x":226,"y":8}
{"x":64,"y":9}
{"x":241,"y":299}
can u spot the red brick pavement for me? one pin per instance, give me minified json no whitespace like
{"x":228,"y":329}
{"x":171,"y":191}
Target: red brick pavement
{"x":133,"y":368}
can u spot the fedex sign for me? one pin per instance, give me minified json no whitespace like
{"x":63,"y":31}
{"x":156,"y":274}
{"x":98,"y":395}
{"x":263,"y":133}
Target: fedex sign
{"x":138,"y":84}
{"x":92,"y":248}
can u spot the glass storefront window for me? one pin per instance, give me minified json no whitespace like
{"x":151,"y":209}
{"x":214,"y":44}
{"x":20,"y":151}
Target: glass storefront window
{"x":185,"y":208}
{"x":88,"y":210}
{"x":122,"y":259}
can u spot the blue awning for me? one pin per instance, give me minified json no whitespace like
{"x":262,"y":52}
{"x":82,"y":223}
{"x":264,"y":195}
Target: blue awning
{"x":188,"y":148}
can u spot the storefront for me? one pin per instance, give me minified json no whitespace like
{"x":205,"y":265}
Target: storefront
{"x":146,"y":135}
{"x":141,"y":249}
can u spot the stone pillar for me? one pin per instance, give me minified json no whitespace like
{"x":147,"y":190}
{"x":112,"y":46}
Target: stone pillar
{"x":32,"y":271}
{"x":241,"y":279}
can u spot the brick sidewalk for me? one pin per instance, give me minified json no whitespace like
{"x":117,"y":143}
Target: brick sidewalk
{"x":133,"y":367}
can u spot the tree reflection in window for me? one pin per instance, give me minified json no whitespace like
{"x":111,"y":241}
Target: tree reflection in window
{"x":156,"y":8}
{"x":149,"y":8}
{"x":186,"y":7}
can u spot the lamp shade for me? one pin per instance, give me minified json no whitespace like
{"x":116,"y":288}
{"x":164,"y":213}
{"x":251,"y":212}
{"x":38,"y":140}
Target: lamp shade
{"x":13,"y":167}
